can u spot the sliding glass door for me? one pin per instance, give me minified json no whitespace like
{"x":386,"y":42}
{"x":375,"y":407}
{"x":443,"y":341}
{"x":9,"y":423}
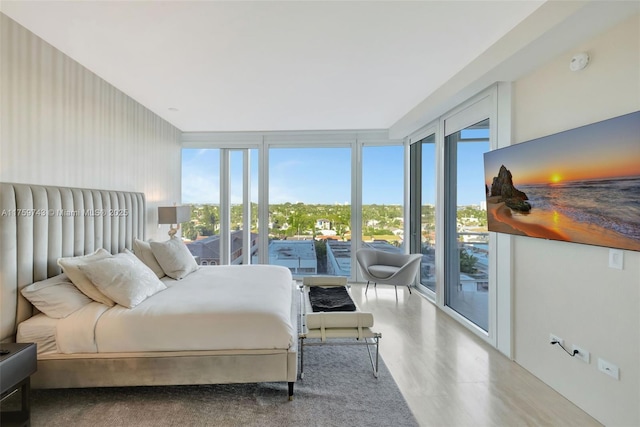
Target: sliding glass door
{"x":448,"y":214}
{"x":466,"y":235}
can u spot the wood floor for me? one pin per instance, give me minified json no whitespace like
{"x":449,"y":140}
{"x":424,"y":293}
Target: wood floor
{"x":450,"y":377}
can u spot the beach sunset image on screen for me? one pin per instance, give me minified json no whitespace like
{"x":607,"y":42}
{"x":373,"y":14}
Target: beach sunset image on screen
{"x":580,"y":186}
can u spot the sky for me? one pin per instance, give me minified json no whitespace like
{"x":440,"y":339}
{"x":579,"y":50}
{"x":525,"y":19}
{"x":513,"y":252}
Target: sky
{"x":323,"y":175}
{"x":602,"y":150}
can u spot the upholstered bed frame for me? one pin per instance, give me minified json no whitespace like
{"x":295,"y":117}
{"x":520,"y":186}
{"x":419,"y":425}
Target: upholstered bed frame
{"x":39,"y":224}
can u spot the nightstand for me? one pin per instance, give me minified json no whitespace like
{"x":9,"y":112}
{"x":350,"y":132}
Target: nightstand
{"x":16,"y":368}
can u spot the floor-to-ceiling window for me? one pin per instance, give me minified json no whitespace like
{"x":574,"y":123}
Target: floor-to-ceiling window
{"x":383,"y":198}
{"x":243,"y":202}
{"x":466,"y":234}
{"x":310,"y":209}
{"x":221,"y":187}
{"x":305,"y":200}
{"x":423,"y":208}
{"x":201,"y":190}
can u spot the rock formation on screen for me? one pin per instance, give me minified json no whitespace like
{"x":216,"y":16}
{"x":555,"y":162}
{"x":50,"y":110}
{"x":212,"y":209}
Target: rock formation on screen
{"x":502,"y":186}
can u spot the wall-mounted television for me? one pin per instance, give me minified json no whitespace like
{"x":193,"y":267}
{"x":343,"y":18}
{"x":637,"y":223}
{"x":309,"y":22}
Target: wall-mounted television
{"x":580,"y":185}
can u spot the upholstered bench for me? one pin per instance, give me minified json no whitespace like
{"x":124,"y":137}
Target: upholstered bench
{"x":335,"y":327}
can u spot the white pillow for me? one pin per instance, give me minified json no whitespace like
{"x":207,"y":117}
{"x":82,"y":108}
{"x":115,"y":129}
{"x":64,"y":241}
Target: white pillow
{"x":174,"y":258}
{"x":70,"y":267}
{"x":123,"y":278}
{"x":57,"y":297}
{"x":143,"y":251}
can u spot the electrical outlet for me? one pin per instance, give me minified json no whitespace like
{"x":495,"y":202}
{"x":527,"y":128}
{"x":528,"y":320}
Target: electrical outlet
{"x":609,"y":368}
{"x":581,"y":354}
{"x":616,"y":259}
{"x":554,"y":338}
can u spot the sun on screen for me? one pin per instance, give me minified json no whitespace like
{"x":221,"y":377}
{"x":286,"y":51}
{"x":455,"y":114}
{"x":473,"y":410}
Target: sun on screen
{"x":555,"y":178}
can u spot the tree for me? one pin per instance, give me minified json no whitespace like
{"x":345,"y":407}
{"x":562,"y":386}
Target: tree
{"x":341,"y":219}
{"x":189,"y":231}
{"x":321,"y":255}
{"x":206,"y":219}
{"x":467,"y":262}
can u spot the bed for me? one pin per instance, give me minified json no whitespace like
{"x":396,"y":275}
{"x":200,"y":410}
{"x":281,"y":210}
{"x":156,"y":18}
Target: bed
{"x":218,"y":324}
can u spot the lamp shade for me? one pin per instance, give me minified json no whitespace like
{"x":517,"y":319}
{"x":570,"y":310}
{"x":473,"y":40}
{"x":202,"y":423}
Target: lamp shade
{"x":174,"y":214}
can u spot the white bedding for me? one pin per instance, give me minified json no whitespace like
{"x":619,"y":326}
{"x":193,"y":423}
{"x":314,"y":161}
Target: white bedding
{"x":214,"y":308}
{"x":39,"y":329}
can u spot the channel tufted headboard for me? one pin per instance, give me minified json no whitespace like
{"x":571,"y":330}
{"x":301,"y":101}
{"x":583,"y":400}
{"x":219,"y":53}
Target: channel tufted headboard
{"x":39,"y":224}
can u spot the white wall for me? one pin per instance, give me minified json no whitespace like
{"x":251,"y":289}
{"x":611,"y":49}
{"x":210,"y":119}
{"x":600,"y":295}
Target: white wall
{"x":63,"y":125}
{"x":568,"y":289}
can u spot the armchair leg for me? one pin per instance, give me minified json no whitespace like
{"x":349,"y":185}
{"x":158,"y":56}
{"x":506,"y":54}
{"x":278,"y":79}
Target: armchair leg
{"x":409,"y":287}
{"x":367,"y":288}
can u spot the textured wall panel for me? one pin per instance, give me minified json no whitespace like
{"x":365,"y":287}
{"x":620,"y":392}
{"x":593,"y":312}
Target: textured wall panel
{"x":63,"y":125}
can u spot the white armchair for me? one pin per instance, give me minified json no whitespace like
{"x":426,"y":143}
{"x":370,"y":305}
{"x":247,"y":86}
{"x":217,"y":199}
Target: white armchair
{"x":388,"y":268}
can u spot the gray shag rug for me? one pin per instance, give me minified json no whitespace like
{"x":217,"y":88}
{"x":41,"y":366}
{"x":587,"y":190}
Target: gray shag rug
{"x":338,"y":389}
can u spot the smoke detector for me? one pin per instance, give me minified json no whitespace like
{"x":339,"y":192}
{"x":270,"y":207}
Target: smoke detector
{"x":579,"y":61}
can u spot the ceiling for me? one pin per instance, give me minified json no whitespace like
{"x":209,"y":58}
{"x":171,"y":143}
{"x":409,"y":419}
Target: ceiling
{"x":267,"y":65}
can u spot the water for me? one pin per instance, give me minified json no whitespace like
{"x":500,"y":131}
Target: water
{"x":613,"y":204}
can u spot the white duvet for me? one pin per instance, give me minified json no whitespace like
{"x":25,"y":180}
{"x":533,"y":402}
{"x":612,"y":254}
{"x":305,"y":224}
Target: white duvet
{"x":214,"y":308}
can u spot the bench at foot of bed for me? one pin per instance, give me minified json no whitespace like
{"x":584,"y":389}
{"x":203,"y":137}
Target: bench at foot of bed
{"x":335,"y":327}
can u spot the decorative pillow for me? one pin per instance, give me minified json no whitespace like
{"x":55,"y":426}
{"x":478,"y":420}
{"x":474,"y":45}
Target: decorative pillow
{"x":70,"y":267}
{"x":174,"y":258}
{"x":143,"y":251}
{"x":57,"y":297}
{"x":123,"y":278}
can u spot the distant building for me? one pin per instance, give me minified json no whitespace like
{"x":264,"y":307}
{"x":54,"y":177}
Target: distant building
{"x":208,"y":249}
{"x":299,"y":256}
{"x":338,"y":258}
{"x":323,"y":224}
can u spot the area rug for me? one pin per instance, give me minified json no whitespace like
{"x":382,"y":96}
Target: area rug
{"x":338,"y":389}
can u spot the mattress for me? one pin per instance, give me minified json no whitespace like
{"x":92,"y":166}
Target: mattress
{"x":41,"y":330}
{"x":239,"y":307}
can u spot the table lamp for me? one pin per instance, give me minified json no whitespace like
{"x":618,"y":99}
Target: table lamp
{"x":174,"y":215}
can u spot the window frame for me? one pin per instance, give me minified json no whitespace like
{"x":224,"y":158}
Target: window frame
{"x":493,"y":103}
{"x":265,"y":141}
